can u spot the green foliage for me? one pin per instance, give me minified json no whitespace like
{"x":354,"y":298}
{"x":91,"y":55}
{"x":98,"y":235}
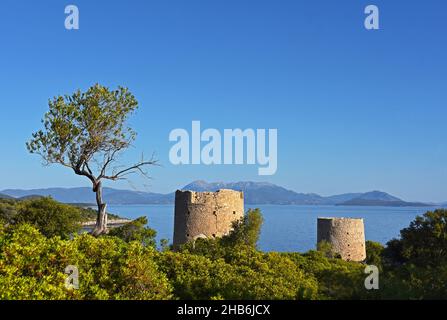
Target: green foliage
{"x":112,"y":269}
{"x":414,"y":282}
{"x":423,"y":243}
{"x":89,"y":214}
{"x":246,"y":231}
{"x":164,"y":245}
{"x":7,"y":210}
{"x":32,"y":267}
{"x":28,"y":265}
{"x":236,"y":270}
{"x":374,"y":253}
{"x":86,"y":132}
{"x":416,"y":263}
{"x":136,"y":230}
{"x":50,"y":217}
{"x":326,"y":249}
{"x":126,"y":265}
{"x":337,"y":279}
{"x":249,"y":274}
{"x":83,"y":125}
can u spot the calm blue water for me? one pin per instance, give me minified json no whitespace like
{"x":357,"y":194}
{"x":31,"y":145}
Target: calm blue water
{"x":290,"y":228}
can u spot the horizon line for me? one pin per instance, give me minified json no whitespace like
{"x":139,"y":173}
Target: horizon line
{"x":195,"y":181}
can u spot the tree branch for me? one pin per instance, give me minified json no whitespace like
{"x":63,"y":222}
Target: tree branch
{"x":138,"y":167}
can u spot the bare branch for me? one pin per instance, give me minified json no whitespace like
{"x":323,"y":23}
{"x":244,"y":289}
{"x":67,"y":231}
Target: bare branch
{"x":136,"y":168}
{"x":110,"y":159}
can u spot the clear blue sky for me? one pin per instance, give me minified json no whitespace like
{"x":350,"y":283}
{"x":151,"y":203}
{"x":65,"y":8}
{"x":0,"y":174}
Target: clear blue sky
{"x":355,"y":110}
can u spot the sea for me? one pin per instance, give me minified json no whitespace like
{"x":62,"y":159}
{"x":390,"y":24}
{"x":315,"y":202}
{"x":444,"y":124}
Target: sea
{"x":290,"y":228}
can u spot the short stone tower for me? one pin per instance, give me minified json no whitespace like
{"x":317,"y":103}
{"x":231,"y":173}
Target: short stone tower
{"x":205,"y":214}
{"x":346,"y":235}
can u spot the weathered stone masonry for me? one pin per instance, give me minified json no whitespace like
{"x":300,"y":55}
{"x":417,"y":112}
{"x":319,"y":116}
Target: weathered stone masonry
{"x":205,"y":214}
{"x":346,"y":235}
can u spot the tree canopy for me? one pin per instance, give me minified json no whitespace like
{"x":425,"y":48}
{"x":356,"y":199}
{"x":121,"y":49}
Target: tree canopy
{"x":86,"y":132}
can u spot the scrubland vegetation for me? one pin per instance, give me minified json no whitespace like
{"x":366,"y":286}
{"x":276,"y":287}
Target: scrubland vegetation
{"x":40,"y":237}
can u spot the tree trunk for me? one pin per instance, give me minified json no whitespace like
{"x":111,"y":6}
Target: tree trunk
{"x":101,"y":220}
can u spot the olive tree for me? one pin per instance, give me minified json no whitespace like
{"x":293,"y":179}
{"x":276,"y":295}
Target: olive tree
{"x":86,"y":132}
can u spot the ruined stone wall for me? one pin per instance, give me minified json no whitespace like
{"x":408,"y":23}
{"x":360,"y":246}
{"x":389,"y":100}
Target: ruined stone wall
{"x":346,"y":235}
{"x":205,"y":214}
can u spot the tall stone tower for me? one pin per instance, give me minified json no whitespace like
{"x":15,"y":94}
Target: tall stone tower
{"x":205,"y":214}
{"x":346,"y":235}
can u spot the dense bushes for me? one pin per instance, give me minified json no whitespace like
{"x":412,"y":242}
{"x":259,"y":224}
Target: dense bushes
{"x":247,"y":231}
{"x":337,"y":279}
{"x":7,"y":210}
{"x":374,"y":253}
{"x":415,"y":265}
{"x":126,"y":265}
{"x":50,"y":217}
{"x":32,"y":267}
{"x":248,"y":274}
{"x":136,"y":231}
{"x":423,"y":243}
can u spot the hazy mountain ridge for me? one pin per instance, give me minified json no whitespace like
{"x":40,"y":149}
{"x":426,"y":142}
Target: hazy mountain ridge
{"x":86,"y":195}
{"x":383,"y":203}
{"x":255,"y":193}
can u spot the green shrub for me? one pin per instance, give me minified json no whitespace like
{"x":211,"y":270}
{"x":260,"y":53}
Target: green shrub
{"x":32,"y":267}
{"x":126,"y":265}
{"x":250,"y":275}
{"x":423,"y":243}
{"x":326,"y":249}
{"x":337,"y":279}
{"x":50,"y":217}
{"x":416,"y":263}
{"x":246,"y":231}
{"x":136,"y":230}
{"x":7,"y":210}
{"x":232,"y":268}
{"x":374,"y":254}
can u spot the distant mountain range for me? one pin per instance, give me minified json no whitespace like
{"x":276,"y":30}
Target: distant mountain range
{"x":86,"y":195}
{"x":255,"y":193}
{"x":267,"y":193}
